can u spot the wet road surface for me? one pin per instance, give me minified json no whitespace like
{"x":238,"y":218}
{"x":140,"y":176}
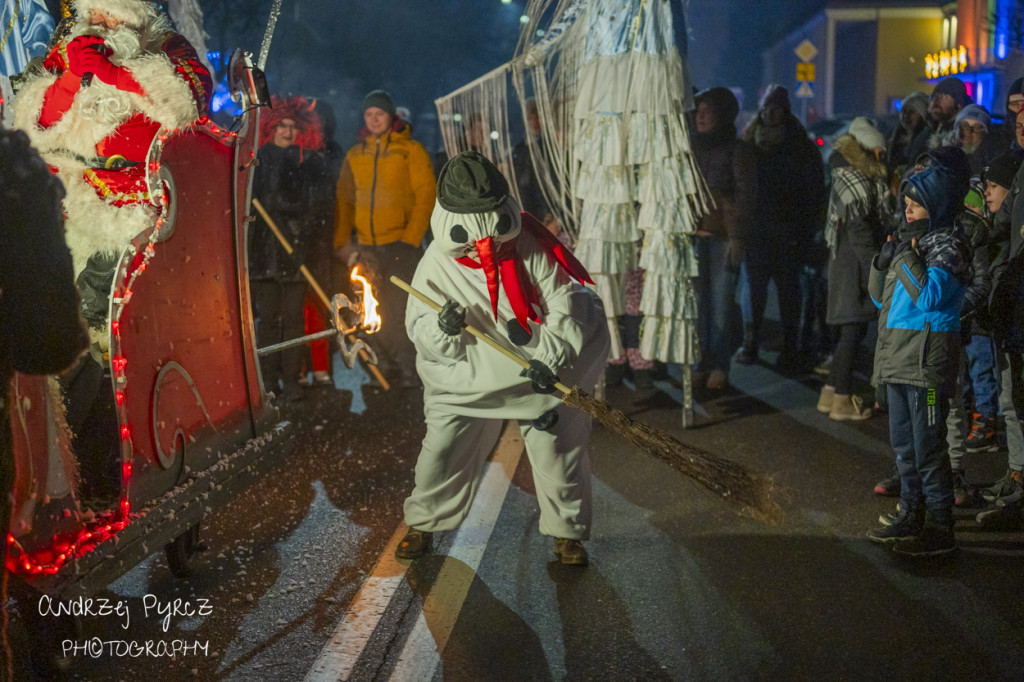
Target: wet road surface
{"x":299,"y":581}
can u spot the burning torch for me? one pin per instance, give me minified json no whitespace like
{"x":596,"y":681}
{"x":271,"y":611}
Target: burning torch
{"x":370,"y":321}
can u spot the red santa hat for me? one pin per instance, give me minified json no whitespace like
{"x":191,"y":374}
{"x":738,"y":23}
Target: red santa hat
{"x":298,"y":109}
{"x":132,"y":12}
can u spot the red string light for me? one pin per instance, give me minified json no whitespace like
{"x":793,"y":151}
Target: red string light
{"x":48,"y":561}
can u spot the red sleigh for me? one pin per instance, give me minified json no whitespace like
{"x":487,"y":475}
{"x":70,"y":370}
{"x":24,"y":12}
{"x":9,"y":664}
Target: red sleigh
{"x":194,"y":423}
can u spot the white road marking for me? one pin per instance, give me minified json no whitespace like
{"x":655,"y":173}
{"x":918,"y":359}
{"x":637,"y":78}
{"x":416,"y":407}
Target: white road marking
{"x":442,"y":605}
{"x":441,"y":608}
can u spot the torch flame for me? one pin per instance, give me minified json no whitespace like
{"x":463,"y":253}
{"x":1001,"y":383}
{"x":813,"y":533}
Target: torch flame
{"x":371,"y":319}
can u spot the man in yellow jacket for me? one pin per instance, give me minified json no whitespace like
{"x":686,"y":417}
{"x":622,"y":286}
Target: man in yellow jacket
{"x":386,"y":193}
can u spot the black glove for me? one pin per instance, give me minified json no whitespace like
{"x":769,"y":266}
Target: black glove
{"x":451,"y":319}
{"x":546,"y":421}
{"x":884,"y":258}
{"x":541,"y":375}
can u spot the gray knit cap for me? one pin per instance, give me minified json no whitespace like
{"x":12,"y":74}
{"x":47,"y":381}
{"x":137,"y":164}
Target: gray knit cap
{"x":381,"y":100}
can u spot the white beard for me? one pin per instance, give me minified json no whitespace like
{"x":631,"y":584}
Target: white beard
{"x":122,"y":42}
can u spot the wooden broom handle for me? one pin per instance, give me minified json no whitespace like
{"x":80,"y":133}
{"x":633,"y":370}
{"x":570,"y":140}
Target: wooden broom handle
{"x":511,"y":355}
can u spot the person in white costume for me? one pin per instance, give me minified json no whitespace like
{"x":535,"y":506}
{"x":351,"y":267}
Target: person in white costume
{"x":505,"y":274}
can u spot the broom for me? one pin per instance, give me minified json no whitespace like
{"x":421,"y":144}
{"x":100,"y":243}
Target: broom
{"x":753,"y":494}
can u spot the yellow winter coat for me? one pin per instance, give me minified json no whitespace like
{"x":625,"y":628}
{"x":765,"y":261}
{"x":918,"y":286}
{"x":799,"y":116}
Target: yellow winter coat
{"x":385,"y":191}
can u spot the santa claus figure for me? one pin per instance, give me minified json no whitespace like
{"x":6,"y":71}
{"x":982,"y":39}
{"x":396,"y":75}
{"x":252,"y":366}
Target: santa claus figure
{"x":92,"y":111}
{"x":503,"y":272}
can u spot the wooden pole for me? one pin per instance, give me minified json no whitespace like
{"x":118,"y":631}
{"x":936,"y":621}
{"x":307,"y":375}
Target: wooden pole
{"x":723,"y":477}
{"x":316,"y":287}
{"x":510,"y":354}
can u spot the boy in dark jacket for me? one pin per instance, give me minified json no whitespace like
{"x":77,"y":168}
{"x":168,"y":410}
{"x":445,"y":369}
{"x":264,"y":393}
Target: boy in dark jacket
{"x":918,"y":283}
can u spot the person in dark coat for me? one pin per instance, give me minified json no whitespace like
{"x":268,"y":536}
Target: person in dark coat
{"x":858,"y":212}
{"x":978,"y":371}
{"x":284,"y":183}
{"x":947,"y":99}
{"x":41,"y":330}
{"x":1006,"y":321}
{"x":910,"y":138}
{"x":791,"y":198}
{"x":729,"y":167}
{"x":322,"y":170}
{"x":527,"y":181}
{"x":1014,"y":105}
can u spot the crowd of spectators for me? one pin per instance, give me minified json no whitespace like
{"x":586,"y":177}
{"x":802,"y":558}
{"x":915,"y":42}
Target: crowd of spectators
{"x":897,"y":244}
{"x":918,"y":241}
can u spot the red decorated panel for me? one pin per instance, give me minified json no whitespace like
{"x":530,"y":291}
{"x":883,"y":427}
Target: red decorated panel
{"x":181,"y":331}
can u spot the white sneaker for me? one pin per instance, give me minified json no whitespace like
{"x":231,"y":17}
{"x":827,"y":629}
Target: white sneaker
{"x":322,"y":378}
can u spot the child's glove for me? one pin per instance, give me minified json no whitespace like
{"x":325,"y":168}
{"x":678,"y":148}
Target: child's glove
{"x":451,"y":319}
{"x":884,"y":258}
{"x":541,"y":376}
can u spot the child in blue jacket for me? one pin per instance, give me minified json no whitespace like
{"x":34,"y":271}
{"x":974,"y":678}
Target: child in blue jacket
{"x":918,"y":282}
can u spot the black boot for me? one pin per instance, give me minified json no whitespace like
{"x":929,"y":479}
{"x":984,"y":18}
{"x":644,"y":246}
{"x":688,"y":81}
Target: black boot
{"x":747,"y":354}
{"x":415,"y":544}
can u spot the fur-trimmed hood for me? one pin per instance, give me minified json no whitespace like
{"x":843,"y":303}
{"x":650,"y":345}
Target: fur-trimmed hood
{"x":135,"y":13}
{"x":857,"y":157}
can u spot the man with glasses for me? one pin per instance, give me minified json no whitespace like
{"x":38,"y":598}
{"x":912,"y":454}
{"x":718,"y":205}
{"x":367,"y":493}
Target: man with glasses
{"x":972,"y":127}
{"x":946,"y":101}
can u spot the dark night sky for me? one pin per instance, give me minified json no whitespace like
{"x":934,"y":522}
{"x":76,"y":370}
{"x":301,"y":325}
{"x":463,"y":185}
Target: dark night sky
{"x":421,"y":49}
{"x":745,"y":28}
{"x":341,"y":49}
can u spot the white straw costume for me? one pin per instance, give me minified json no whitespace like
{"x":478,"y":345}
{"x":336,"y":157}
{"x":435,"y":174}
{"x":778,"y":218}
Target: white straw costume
{"x":470,"y":388}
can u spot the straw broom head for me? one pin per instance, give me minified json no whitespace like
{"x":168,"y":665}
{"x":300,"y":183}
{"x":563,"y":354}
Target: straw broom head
{"x":734,"y":483}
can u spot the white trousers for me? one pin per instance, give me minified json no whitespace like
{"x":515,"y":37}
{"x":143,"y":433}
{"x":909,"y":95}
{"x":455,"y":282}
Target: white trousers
{"x":456,"y":448}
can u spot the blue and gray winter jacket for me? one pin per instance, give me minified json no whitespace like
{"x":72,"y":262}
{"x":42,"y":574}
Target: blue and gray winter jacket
{"x":919,"y":294}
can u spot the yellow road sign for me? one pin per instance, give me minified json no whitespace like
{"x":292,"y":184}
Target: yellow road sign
{"x":806,"y":51}
{"x":805,"y":73}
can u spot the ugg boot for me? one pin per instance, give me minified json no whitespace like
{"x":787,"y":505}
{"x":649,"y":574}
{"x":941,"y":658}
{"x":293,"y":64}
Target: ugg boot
{"x":825,"y":398}
{"x":717,"y":380}
{"x":848,"y":408}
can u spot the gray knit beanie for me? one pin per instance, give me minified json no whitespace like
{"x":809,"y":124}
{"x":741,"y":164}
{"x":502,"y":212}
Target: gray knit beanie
{"x":381,"y":100}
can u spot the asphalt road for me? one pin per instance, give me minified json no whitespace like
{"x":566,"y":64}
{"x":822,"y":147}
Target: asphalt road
{"x":299,"y":582}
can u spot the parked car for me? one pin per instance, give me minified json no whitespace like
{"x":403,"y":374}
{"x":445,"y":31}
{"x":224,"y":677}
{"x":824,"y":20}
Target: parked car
{"x":824,"y":132}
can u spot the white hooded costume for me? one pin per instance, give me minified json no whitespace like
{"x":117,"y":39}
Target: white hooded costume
{"x":470,"y":388}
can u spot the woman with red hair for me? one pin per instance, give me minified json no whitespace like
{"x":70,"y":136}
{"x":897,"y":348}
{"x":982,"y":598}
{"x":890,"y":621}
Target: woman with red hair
{"x":286,"y":184}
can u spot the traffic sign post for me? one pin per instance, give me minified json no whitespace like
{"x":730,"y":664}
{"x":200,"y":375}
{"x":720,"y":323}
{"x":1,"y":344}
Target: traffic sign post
{"x":806,"y":51}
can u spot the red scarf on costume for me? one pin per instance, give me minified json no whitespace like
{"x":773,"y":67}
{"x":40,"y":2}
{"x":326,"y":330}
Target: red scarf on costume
{"x":507,"y":267}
